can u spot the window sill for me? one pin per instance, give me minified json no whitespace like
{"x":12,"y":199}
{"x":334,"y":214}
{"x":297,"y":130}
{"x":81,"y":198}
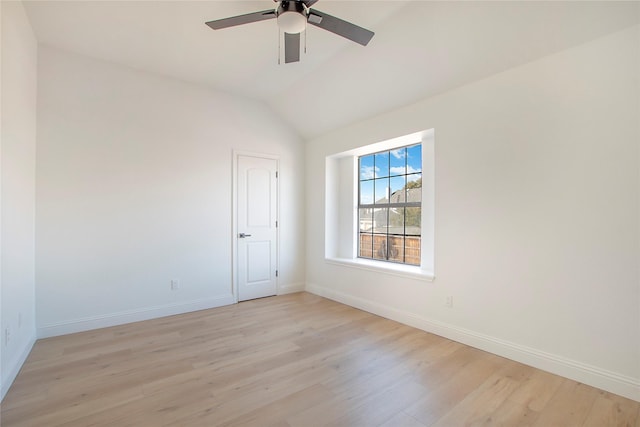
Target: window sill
{"x":408,"y":271}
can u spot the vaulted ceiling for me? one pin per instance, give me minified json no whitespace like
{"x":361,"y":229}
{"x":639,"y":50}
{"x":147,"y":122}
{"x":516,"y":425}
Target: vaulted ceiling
{"x":420,"y":48}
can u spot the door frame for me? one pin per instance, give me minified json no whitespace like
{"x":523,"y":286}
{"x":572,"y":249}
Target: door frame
{"x":234,"y":216}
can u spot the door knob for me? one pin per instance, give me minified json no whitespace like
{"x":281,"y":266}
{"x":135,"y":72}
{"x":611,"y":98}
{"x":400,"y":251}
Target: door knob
{"x":242,"y":235}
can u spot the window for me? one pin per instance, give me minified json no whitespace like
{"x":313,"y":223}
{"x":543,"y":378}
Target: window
{"x":390,"y":205}
{"x":355,"y":218}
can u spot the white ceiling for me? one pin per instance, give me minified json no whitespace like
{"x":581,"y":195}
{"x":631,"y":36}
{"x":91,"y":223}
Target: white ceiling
{"x":420,"y":48}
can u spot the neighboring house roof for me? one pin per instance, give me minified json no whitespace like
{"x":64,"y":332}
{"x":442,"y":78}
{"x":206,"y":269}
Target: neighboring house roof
{"x":413,"y":195}
{"x":378,"y":224}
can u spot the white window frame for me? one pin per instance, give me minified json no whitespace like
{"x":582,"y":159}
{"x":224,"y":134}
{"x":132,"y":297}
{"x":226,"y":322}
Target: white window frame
{"x":341,"y":209}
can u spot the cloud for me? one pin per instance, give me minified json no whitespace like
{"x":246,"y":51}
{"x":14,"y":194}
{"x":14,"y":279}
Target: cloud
{"x":400,"y":170}
{"x":368,"y":172}
{"x":400,"y":153}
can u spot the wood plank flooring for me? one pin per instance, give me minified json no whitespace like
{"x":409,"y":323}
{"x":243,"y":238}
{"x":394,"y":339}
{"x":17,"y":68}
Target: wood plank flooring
{"x":290,"y":361}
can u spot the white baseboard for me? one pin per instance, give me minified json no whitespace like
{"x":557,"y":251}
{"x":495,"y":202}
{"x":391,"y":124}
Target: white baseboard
{"x":290,"y":288}
{"x":120,"y":318}
{"x":578,"y":371}
{"x":15,"y":367}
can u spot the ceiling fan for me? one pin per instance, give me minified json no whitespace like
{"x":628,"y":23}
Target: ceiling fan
{"x":292,"y":17}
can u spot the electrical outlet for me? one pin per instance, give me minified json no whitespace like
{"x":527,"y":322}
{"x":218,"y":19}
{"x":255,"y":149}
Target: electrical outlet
{"x":175,"y":284}
{"x":449,"y":302}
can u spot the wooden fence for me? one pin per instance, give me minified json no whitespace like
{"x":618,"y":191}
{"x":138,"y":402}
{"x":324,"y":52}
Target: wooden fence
{"x":391,"y":248}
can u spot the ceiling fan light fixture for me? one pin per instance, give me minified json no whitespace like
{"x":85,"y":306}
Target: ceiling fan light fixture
{"x":292,"y":17}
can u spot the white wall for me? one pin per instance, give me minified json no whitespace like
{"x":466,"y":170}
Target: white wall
{"x":134,"y":189}
{"x":537,"y":215}
{"x":18,"y":144}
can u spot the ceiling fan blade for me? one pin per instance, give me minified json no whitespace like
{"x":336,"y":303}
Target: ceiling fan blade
{"x":338,"y":26}
{"x":242,"y":19}
{"x":308,"y":3}
{"x":291,"y":47}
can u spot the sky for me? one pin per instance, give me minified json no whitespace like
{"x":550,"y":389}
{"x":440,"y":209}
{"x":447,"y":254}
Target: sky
{"x":387,"y":172}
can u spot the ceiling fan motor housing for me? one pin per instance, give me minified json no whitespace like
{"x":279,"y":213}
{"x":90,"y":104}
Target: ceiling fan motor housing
{"x":292,"y":16}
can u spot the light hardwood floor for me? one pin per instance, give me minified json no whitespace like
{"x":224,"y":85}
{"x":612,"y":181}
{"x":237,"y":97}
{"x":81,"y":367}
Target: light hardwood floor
{"x":293,"y":360}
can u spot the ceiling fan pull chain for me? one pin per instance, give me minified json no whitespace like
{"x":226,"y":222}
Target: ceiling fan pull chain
{"x":279,"y":42}
{"x":306,"y":25}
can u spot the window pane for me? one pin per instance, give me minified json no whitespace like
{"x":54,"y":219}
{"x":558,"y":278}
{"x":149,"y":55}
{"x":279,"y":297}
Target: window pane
{"x":412,"y":250}
{"x":365,"y":217}
{"x":396,"y":220}
{"x":382,"y":164}
{"x":382,"y":186}
{"x":396,"y":248}
{"x":398,"y":161}
{"x":397,"y":189}
{"x":366,"y":167}
{"x":366,"y":192}
{"x":414,"y":159}
{"x":387,"y":232}
{"x":414,"y":187}
{"x":380,"y":246}
{"x":366,"y":245}
{"x":380,"y":220}
{"x":412,"y":224}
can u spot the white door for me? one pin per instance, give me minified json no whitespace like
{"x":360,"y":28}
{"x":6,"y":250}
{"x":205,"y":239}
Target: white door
{"x":257,"y":227}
